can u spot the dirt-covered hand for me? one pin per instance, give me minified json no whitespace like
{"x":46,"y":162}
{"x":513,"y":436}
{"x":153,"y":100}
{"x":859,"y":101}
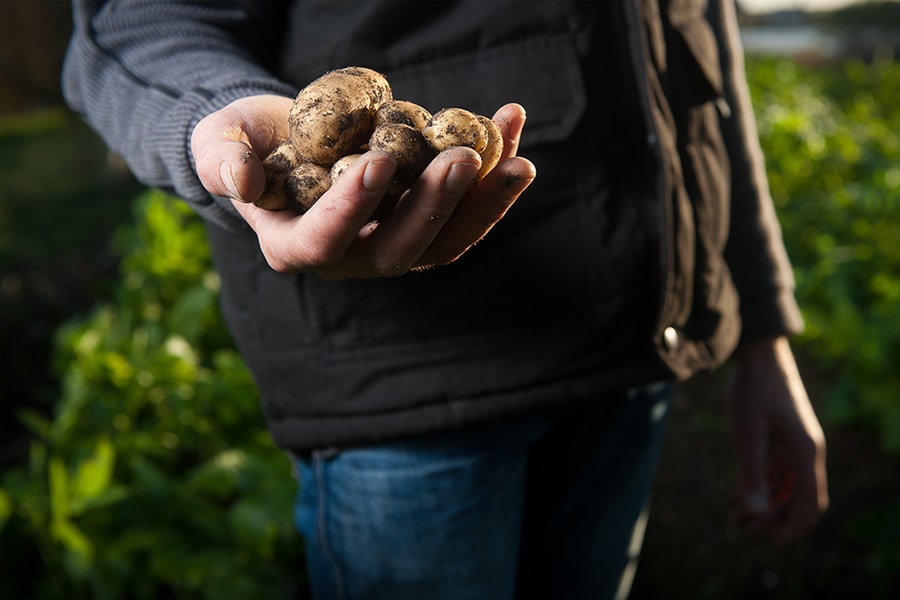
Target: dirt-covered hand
{"x":440,"y":217}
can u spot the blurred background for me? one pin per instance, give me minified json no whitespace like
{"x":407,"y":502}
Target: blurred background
{"x":134,"y":460}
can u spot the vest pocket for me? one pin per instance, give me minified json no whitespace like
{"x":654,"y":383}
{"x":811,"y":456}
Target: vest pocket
{"x":541,"y":73}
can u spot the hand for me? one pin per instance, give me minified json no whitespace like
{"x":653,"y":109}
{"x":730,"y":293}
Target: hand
{"x":439,"y":220}
{"x":782,"y":484}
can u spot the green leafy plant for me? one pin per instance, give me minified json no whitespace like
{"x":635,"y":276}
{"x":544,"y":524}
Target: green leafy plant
{"x":155,"y":477}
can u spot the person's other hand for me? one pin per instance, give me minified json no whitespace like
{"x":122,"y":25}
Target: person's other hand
{"x":441,"y":217}
{"x":782,"y":483}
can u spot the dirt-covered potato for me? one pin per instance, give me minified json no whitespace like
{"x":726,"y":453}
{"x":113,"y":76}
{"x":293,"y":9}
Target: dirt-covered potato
{"x":304,"y":185}
{"x":334,"y":115}
{"x":341,"y":165}
{"x":490,"y":156}
{"x":349,"y":111}
{"x":407,"y":145}
{"x":375,"y":83}
{"x":277,"y":165}
{"x":455,"y":127}
{"x":404,"y":112}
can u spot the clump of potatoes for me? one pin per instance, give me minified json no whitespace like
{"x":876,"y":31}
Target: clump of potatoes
{"x":343,"y":113}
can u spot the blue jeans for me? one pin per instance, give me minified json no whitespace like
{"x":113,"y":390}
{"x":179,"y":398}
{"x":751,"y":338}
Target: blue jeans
{"x":549,"y":505}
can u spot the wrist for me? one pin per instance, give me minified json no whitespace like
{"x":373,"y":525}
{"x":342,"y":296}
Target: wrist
{"x":752,"y":351}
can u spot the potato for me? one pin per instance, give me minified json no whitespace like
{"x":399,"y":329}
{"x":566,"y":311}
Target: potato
{"x":402,"y":111}
{"x":490,"y":156}
{"x":455,"y":127}
{"x":348,"y":111}
{"x":376,"y":84}
{"x":334,"y":115}
{"x":393,"y":194}
{"x":304,"y":185}
{"x":407,"y":145}
{"x":341,"y":165}
{"x":277,"y":165}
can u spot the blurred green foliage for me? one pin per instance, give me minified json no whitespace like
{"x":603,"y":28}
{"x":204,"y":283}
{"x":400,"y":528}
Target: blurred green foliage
{"x":155,"y":477}
{"x":832,"y":140}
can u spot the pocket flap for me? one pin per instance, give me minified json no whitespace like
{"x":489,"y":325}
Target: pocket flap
{"x":689,"y":20}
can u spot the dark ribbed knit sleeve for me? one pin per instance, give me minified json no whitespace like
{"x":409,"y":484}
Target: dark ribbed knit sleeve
{"x":755,"y":253}
{"x":144,"y":73}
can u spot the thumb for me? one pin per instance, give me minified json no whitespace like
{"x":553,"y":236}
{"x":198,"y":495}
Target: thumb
{"x":228,"y":145}
{"x":754,"y":514}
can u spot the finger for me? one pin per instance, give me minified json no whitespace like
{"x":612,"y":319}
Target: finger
{"x":318,"y":240}
{"x":510,"y":118}
{"x":752,"y":458}
{"x":479,"y":211}
{"x":795,"y":518}
{"x":229,"y":168}
{"x":406,"y":233}
{"x":753,"y":489}
{"x":807,"y":499}
{"x":227,"y":145}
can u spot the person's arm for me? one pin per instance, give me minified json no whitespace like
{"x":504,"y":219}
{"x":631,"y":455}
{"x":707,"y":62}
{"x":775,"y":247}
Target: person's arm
{"x":755,"y":252}
{"x":782,"y":482}
{"x":143,"y":74}
{"x":181,"y":91}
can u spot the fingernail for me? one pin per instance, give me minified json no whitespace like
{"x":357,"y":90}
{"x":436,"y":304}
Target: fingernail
{"x":228,"y":181}
{"x":378,"y":175}
{"x":460,"y":177}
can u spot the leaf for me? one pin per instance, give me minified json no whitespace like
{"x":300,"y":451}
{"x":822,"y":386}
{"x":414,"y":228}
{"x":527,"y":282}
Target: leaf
{"x":6,"y":507}
{"x":109,"y":497}
{"x":92,"y":476}
{"x":253,"y":526}
{"x":187,"y":316}
{"x":118,"y":368}
{"x":150,"y":479}
{"x":59,"y":488}
{"x":219,"y":476}
{"x":79,"y":549}
{"x":35,"y":422}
